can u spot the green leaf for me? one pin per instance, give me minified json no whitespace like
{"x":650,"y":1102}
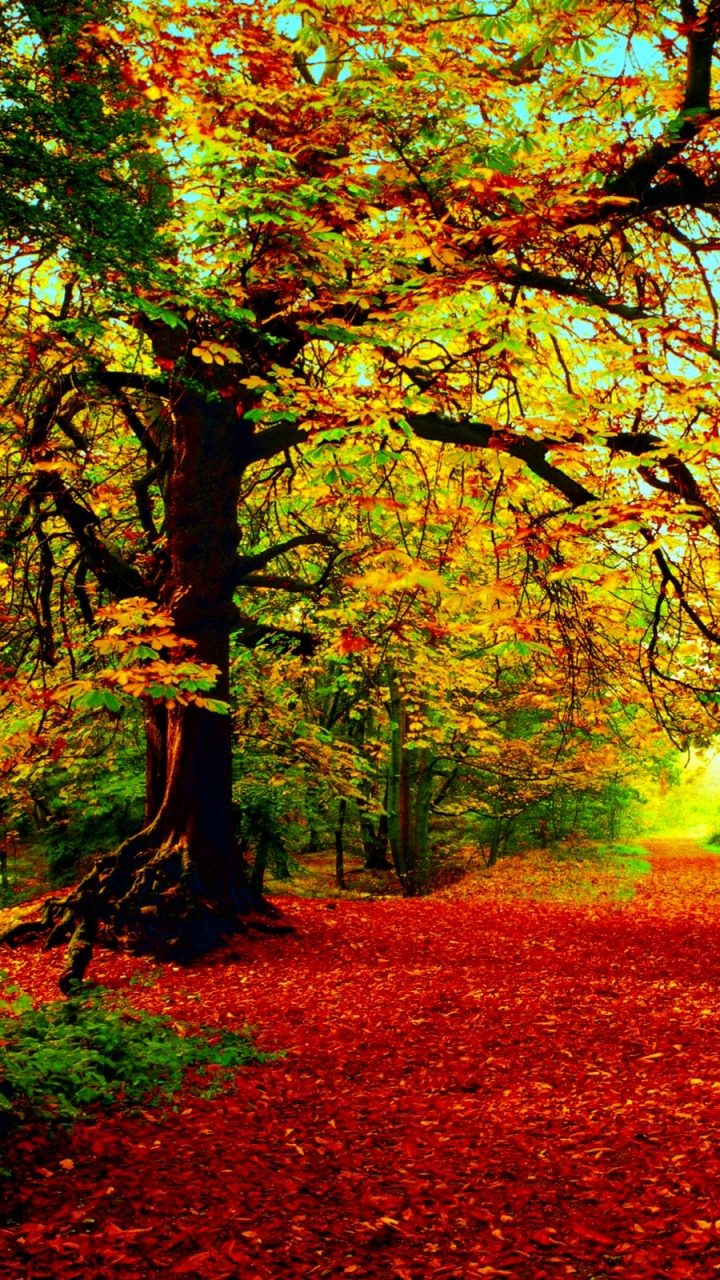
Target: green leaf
{"x":154,"y":312}
{"x":216,"y":704}
{"x":95,"y":698}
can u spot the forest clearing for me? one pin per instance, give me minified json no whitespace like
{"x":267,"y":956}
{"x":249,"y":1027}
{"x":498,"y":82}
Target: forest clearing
{"x":479,"y":1084}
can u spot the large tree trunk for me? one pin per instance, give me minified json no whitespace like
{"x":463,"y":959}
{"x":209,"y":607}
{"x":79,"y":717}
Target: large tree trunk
{"x":202,"y":538}
{"x":179,"y":885}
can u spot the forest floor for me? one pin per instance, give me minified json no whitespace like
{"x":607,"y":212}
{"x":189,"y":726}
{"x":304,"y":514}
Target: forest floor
{"x":492,"y":1081}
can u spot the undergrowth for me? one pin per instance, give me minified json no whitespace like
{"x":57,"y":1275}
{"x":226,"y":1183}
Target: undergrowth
{"x":581,"y":873}
{"x":94,"y":1051}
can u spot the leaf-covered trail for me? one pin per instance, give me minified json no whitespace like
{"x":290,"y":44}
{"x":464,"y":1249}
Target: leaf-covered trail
{"x":472,"y":1087}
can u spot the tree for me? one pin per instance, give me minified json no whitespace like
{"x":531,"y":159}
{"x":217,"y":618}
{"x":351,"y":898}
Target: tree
{"x":233,"y":232}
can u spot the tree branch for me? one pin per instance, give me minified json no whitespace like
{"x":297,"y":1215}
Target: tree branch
{"x":251,"y":633}
{"x":481,"y":435}
{"x":140,"y":428}
{"x":141,"y":489}
{"x":635,"y":181}
{"x":111,"y":571}
{"x":670,"y":576}
{"x":273,"y":440}
{"x":297,"y":585}
{"x":250,"y":564}
{"x":566,"y":288}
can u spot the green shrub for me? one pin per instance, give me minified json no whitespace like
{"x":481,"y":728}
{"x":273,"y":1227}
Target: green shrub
{"x":94,"y":1050}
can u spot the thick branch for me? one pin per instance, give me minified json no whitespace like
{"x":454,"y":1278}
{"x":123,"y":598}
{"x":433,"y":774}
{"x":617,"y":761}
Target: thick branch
{"x":81,"y":593}
{"x":111,"y":571}
{"x":140,"y":428}
{"x":251,"y":633}
{"x":433,"y":426}
{"x":272,"y":441}
{"x":112,"y":379}
{"x":695,"y":110}
{"x":64,"y":420}
{"x":250,"y":564}
{"x":297,"y":585}
{"x":565,"y":288}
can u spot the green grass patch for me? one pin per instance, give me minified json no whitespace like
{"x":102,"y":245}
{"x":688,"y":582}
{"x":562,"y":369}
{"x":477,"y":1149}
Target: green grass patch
{"x":588,"y":873}
{"x":94,"y":1051}
{"x":631,"y":862}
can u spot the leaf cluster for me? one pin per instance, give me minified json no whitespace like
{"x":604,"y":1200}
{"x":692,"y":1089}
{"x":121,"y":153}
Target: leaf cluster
{"x":78,"y":172}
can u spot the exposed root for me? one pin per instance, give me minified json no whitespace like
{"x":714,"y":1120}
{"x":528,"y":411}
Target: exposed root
{"x":145,"y":900}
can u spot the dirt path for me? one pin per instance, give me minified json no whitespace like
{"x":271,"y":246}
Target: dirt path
{"x":472,"y":1088}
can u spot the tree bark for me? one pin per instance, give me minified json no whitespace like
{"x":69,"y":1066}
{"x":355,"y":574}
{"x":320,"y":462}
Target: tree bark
{"x":262,"y":852}
{"x":375,"y":841}
{"x":374,"y":838}
{"x":155,"y":757}
{"x":409,"y":795}
{"x":202,"y":537}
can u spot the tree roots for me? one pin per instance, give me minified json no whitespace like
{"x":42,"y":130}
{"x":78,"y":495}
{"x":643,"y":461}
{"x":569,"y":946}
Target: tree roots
{"x":144,"y":900}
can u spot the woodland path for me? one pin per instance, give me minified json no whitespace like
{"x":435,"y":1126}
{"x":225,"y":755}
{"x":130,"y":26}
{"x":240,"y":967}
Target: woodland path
{"x":472,"y":1087}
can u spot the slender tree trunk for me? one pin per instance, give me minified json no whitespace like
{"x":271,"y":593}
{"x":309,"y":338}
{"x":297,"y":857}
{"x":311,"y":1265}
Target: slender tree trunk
{"x":495,"y":839}
{"x":257,"y":877}
{"x":421,"y":820}
{"x":397,"y":788}
{"x":381,"y":840}
{"x":375,"y":841}
{"x":409,"y":794}
{"x":340,"y":846}
{"x":375,"y":838}
{"x":612,"y":820}
{"x":312,"y":844}
{"x":282,"y":864}
{"x":367,"y":831}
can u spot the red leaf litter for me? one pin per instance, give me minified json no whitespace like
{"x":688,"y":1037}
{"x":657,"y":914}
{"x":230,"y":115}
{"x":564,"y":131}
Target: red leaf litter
{"x":472,"y":1087}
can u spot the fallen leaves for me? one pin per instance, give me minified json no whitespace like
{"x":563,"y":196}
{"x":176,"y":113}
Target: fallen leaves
{"x":472,"y":1088}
